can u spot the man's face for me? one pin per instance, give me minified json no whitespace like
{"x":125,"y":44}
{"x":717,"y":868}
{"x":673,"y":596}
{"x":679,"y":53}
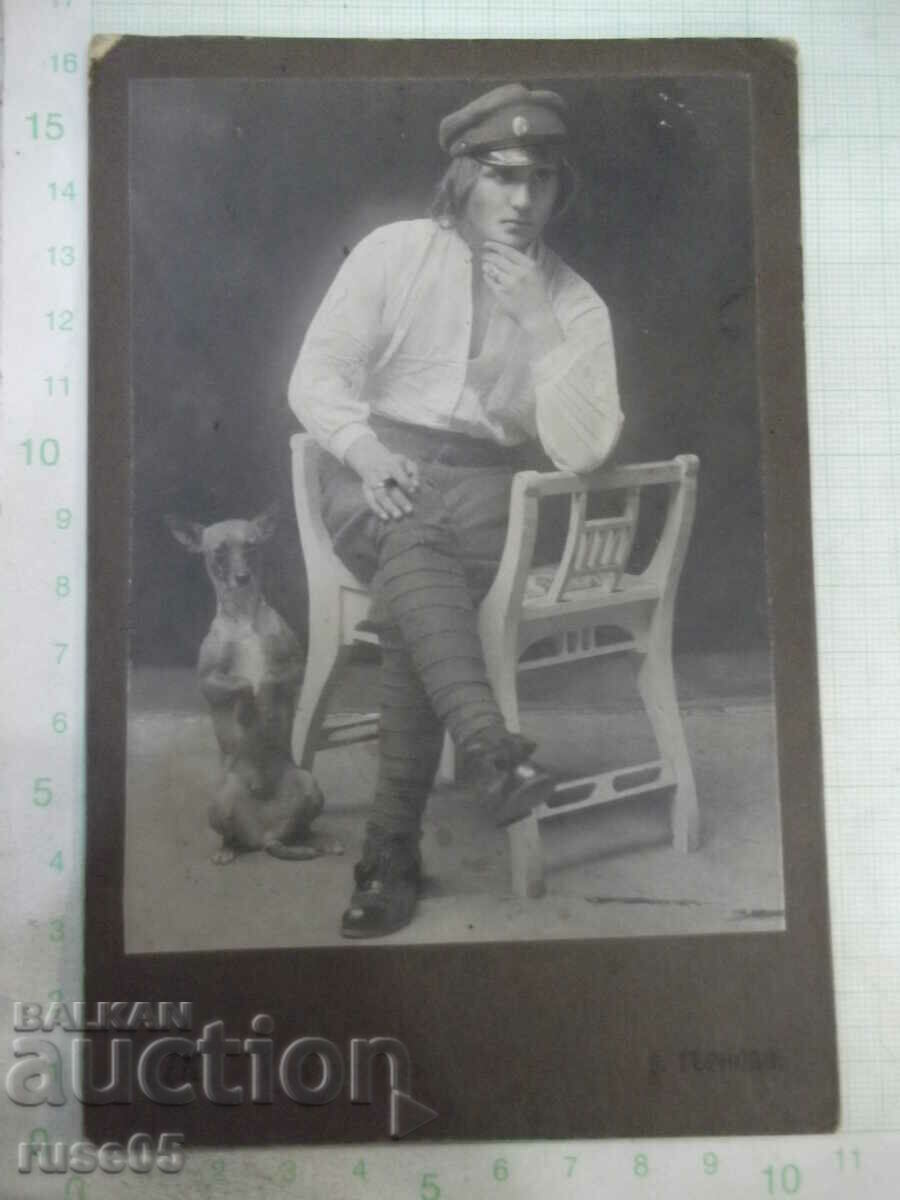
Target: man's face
{"x":511,"y":205}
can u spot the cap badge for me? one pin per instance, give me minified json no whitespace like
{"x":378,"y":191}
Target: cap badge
{"x":520,"y":126}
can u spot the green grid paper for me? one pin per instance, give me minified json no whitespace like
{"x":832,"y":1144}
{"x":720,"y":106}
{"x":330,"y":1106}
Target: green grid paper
{"x":849,"y":56}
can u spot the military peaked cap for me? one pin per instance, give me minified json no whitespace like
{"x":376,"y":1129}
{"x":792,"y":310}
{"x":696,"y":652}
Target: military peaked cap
{"x":509,"y":118}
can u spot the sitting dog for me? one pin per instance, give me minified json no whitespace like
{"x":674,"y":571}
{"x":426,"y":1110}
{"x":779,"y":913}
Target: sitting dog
{"x":250,"y":669}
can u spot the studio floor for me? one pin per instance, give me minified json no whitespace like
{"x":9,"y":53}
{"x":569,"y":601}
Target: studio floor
{"x":609,"y":873}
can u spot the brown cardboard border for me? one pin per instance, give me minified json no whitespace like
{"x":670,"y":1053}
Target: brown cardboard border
{"x":557,"y":1039}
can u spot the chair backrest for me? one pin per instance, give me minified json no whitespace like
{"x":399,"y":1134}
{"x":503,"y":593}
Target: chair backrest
{"x":594,"y":560}
{"x":596,"y":550}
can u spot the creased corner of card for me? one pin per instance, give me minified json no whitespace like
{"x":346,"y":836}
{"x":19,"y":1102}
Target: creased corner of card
{"x":101,"y":44}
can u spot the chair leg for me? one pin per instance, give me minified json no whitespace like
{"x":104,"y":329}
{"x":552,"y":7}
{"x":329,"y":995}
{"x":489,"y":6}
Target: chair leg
{"x":502,"y":673}
{"x":656,"y":684}
{"x":525,"y":858}
{"x":446,"y":772}
{"x":523,"y":837}
{"x":326,"y":655}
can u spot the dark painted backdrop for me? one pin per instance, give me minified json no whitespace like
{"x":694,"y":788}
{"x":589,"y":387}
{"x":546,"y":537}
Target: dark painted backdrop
{"x":246,"y":194}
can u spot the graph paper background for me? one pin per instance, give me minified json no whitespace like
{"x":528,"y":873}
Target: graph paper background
{"x":849,"y":61}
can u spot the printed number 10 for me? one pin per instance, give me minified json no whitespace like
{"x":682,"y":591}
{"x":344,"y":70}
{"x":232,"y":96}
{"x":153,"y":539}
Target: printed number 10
{"x":789,"y":1179}
{"x":48,"y":451}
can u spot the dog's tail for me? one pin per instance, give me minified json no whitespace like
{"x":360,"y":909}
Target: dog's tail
{"x":297,"y":853}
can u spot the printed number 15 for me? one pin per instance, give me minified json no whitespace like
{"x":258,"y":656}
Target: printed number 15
{"x":53,"y":126}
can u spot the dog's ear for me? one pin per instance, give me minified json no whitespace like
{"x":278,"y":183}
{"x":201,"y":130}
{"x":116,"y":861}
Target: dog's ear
{"x":264,"y":525}
{"x":189,"y":533}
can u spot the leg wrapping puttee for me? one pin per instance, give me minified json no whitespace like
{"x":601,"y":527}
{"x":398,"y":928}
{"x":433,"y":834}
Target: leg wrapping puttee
{"x":424,"y":588}
{"x":409,"y":741}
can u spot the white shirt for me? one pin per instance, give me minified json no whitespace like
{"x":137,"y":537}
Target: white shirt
{"x":392,"y":336}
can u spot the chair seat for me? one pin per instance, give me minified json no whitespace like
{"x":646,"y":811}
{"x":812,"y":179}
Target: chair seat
{"x":539,"y":582}
{"x":540,"y":608}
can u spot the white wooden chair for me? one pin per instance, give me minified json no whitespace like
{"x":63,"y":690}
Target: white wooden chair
{"x":569,"y":608}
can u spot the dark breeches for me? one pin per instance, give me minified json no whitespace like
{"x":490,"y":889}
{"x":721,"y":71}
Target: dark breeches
{"x":428,"y":572}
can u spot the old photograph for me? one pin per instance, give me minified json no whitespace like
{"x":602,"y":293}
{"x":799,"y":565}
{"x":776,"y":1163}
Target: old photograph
{"x":386,"y":334}
{"x":451,"y":659}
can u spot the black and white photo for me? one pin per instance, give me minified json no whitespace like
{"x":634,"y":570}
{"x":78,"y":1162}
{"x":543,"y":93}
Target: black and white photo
{"x":553,"y":279}
{"x":451,"y":621}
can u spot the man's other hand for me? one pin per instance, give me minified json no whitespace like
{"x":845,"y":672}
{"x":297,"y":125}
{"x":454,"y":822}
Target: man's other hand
{"x":389,"y":480}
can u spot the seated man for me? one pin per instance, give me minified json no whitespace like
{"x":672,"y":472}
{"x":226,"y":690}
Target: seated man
{"x":443,"y":349}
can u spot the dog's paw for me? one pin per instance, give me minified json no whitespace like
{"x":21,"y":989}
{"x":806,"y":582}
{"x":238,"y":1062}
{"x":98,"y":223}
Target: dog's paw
{"x":223,"y":856}
{"x":329,"y":845}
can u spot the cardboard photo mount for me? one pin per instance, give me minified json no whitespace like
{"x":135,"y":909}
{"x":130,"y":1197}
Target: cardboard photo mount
{"x":658,"y":1036}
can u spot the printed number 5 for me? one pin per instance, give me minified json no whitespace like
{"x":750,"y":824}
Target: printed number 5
{"x":169,"y":1154}
{"x":430,"y":1189}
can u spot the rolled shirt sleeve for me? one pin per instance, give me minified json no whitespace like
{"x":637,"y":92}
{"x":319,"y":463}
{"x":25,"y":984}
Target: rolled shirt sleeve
{"x":577,"y":410}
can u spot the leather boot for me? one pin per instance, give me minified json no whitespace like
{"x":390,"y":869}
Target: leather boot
{"x":387,"y":883}
{"x":508,"y":784}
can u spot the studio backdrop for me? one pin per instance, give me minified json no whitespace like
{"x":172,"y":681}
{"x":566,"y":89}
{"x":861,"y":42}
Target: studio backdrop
{"x":246,"y":195}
